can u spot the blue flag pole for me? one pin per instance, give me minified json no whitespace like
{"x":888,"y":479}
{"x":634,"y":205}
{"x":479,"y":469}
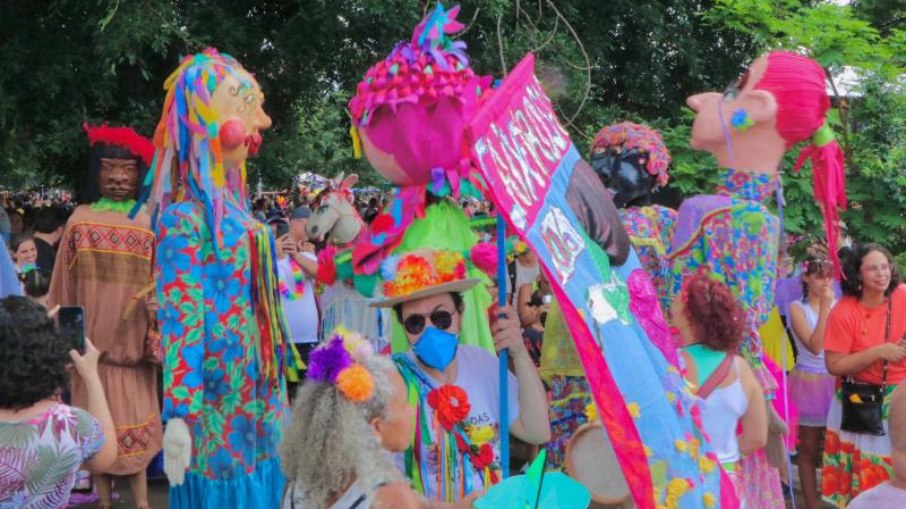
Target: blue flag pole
{"x":504,"y":354}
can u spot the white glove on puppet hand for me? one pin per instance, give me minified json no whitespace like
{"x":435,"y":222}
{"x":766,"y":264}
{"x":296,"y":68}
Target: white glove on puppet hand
{"x":177,"y":451}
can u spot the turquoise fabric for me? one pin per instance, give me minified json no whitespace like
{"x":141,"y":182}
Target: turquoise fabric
{"x":706,"y":361}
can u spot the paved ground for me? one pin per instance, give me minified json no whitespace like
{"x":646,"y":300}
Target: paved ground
{"x":157,"y":493}
{"x":157,"y":496}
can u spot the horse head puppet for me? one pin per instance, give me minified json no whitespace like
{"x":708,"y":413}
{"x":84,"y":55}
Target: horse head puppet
{"x":334,"y":217}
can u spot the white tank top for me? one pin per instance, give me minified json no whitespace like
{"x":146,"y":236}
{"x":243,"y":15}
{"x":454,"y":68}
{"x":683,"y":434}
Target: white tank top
{"x":806,"y":359}
{"x":721,"y":413}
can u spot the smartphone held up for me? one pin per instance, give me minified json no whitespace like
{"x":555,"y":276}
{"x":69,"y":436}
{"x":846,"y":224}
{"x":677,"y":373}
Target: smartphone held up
{"x":71,"y":324}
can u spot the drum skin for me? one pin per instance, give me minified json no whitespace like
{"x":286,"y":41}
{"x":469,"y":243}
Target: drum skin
{"x":590,"y":459}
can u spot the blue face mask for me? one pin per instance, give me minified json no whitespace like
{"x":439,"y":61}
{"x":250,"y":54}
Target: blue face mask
{"x":436,"y":348}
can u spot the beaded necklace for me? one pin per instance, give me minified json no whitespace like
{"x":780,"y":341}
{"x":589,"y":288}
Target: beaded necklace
{"x":294,"y":289}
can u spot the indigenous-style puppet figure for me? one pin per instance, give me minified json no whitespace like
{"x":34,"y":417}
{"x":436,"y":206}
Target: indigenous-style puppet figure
{"x":335,"y":220}
{"x":780,"y":101}
{"x":632,"y":162}
{"x":104,"y":264}
{"x":221,"y":315}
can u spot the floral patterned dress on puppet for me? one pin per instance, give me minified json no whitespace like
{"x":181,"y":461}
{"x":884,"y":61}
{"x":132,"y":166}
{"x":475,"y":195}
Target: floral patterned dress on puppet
{"x":220,"y":311}
{"x":632,"y":162}
{"x":410,"y":112}
{"x":104,"y":264}
{"x":732,"y":234}
{"x":555,"y":201}
{"x":344,"y":302}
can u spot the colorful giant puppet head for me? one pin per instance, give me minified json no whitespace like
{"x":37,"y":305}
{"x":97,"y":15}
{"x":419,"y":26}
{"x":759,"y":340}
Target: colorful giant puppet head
{"x":780,"y":101}
{"x":411,"y":109}
{"x":631,"y":160}
{"x":120,"y":158}
{"x":212,"y":121}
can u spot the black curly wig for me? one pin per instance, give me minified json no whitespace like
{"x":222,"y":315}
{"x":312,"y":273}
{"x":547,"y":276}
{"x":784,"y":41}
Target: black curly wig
{"x":32,"y":355}
{"x":852,"y":269}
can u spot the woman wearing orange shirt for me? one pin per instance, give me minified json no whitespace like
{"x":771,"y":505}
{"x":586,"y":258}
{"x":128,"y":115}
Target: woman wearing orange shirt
{"x":864,"y":339}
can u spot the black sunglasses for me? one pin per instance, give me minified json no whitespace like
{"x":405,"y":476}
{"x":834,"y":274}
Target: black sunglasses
{"x":415,"y":324}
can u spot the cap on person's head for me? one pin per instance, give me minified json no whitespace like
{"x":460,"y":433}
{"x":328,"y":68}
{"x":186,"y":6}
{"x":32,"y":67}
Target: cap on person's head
{"x":301,"y":212}
{"x":276,"y":220}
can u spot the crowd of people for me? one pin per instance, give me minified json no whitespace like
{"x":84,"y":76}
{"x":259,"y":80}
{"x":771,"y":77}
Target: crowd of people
{"x":327,"y":348}
{"x":852,"y":337}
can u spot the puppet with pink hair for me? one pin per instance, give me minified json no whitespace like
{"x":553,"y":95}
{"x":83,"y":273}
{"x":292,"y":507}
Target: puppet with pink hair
{"x":779,"y":102}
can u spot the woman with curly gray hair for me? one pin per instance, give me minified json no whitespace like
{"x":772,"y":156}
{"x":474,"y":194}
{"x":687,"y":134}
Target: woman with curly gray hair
{"x":352,"y":410}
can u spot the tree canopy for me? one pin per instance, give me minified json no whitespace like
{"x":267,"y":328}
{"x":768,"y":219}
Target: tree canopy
{"x":65,"y":62}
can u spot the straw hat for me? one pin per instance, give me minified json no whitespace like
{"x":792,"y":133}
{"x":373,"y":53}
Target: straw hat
{"x":423,"y":273}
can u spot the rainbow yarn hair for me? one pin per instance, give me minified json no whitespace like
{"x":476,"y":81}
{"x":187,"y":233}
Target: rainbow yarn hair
{"x":187,"y":141}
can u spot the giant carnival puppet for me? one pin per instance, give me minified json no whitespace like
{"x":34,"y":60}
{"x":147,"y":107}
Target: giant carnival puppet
{"x":104,"y":265}
{"x":632,"y":162}
{"x":220,"y":311}
{"x":408,"y":118}
{"x":779,"y":102}
{"x":429,"y":123}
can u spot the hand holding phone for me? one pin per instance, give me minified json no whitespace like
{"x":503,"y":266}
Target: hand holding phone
{"x":86,"y":363}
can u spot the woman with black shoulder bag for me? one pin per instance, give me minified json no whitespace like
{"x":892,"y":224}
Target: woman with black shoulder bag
{"x":865,"y":348}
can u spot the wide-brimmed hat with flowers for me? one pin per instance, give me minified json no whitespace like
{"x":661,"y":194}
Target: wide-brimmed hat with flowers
{"x":423,"y":273}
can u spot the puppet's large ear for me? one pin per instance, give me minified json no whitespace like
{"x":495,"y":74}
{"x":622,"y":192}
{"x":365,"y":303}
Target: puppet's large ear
{"x":761,"y":105}
{"x":349,"y":181}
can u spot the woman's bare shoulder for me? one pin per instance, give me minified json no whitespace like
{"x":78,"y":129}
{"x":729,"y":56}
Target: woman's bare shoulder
{"x":395,"y":496}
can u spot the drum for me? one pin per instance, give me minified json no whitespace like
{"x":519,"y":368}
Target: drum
{"x":590,"y":459}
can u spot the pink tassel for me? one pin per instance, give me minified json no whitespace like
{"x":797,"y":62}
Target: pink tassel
{"x":484,"y":257}
{"x":829,"y":186}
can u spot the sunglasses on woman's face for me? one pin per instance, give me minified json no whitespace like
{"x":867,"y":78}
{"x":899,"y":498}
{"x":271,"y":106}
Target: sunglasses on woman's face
{"x":415,"y":324}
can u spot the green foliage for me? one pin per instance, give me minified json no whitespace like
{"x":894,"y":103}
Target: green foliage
{"x":65,"y":62}
{"x":877,"y":181}
{"x":832,"y":34}
{"x":883,"y":14}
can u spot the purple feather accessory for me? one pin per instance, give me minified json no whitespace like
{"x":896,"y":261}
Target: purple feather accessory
{"x":328,"y":361}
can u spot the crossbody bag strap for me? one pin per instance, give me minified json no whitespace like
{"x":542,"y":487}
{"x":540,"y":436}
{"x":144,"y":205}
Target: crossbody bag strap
{"x":718,"y":376}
